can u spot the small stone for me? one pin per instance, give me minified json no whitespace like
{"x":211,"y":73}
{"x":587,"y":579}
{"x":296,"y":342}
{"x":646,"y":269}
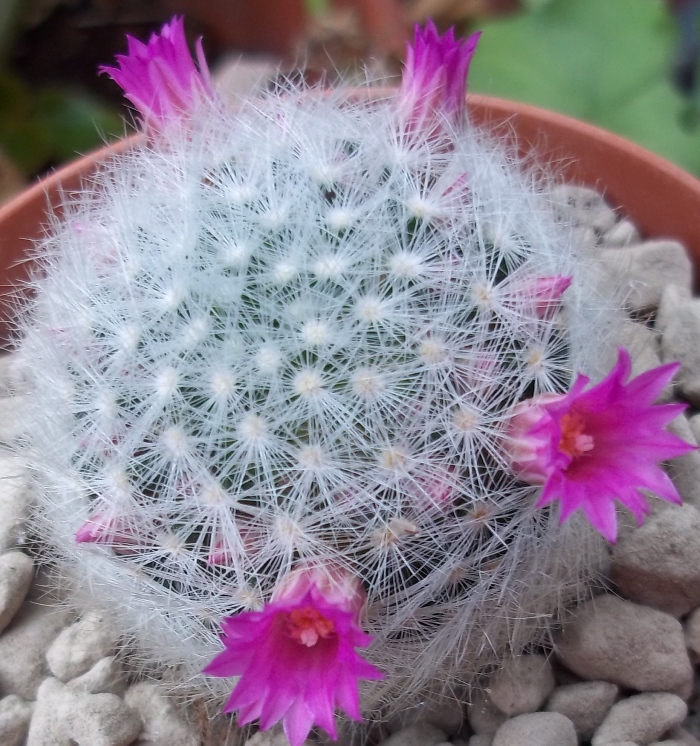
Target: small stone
{"x":692,"y":724}
{"x":585,"y":704}
{"x":65,"y":717}
{"x":694,"y":422}
{"x":481,"y":739}
{"x":642,"y":343}
{"x":105,"y":677}
{"x":692,"y":635}
{"x":647,"y":269}
{"x":659,"y":564}
{"x":11,"y":419}
{"x":12,"y":376}
{"x":610,"y":639}
{"x":579,"y":205}
{"x":678,"y":322}
{"x":484,"y":718}
{"x":446,"y":714}
{"x":521,"y":685}
{"x":685,"y":470}
{"x":623,"y":233}
{"x":273,"y":737}
{"x":683,"y":736}
{"x":419,"y":734}
{"x":16,"y":501}
{"x":163,"y":723}
{"x":79,"y":647}
{"x":642,"y":718}
{"x":16,"y":573}
{"x":15,"y":715}
{"x":585,"y":238}
{"x":23,"y":648}
{"x":536,"y":729}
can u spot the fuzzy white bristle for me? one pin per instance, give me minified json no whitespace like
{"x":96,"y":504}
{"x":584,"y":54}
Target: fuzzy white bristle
{"x":291,"y":334}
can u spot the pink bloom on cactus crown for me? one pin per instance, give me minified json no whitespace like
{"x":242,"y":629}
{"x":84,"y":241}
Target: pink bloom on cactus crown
{"x":543,"y":293}
{"x":297,"y":658}
{"x":434,"y":80}
{"x":101,"y":528}
{"x":589,"y":448}
{"x":160,"y":78}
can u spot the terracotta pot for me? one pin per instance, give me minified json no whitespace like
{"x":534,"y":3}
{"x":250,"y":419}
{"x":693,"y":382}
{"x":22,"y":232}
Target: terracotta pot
{"x":662,"y":199}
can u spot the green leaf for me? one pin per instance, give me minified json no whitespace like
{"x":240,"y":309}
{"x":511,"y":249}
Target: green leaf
{"x":604,"y":61}
{"x":75,"y":123}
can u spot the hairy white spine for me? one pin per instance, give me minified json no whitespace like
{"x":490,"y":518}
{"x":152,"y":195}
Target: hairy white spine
{"x":296,"y":333}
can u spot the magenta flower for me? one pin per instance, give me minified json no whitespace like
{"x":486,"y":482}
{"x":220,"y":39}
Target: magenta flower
{"x":104,"y":529}
{"x":434,"y":82}
{"x":544,"y":293}
{"x":297,"y":658}
{"x":160,"y":78}
{"x":590,"y":448}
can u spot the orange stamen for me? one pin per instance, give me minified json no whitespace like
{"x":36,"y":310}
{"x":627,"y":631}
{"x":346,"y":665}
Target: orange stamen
{"x":307,"y":625}
{"x":574,"y":441}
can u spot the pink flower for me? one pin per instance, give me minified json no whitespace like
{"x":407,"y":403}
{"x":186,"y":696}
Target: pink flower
{"x":160,"y":78}
{"x":296,"y":658}
{"x":434,"y":81}
{"x":544,"y":293}
{"x":590,"y":448}
{"x":102,"y":528}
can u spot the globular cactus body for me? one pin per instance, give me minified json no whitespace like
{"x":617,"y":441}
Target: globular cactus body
{"x":294,"y":331}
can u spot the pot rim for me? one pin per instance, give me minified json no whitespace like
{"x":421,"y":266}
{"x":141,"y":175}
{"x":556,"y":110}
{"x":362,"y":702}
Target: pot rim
{"x":661,"y":198}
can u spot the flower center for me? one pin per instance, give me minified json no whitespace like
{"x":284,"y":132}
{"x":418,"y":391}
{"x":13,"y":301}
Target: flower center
{"x":574,"y":441}
{"x":307,"y":625}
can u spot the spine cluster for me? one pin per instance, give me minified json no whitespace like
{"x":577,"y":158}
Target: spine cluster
{"x":295,"y":333}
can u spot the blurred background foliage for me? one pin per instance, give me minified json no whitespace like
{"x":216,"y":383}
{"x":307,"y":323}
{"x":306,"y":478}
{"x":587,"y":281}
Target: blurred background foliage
{"x":628,"y":65}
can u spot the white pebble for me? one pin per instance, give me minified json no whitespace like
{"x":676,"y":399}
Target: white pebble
{"x":678,"y":322}
{"x":106,"y":676}
{"x":446,"y":714}
{"x":419,"y":734}
{"x":481,"y":739}
{"x":536,"y":729}
{"x":69,"y":716}
{"x":15,"y":715}
{"x":658,"y":564}
{"x":12,"y":373}
{"x":681,"y":737}
{"x":521,"y":684}
{"x":622,"y":233}
{"x":483,"y":716}
{"x":602,"y":642}
{"x":273,"y":737}
{"x":692,"y":634}
{"x":163,"y":724}
{"x":79,"y":647}
{"x":685,"y":470}
{"x":23,"y":647}
{"x":16,"y":500}
{"x":643,"y":345}
{"x":579,"y":205}
{"x":16,"y":573}
{"x":586,"y":704}
{"x":641,"y":718}
{"x":646,"y":269}
{"x":11,"y":418}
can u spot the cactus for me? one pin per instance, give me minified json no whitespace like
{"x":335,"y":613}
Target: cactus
{"x":290,"y":333}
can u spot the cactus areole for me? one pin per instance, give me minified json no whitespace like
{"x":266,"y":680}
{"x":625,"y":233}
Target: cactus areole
{"x":309,"y":397}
